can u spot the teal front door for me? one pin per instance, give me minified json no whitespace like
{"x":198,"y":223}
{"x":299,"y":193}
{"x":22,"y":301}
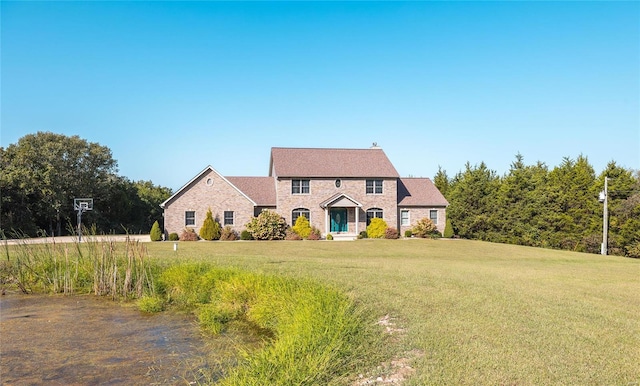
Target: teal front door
{"x":339,"y":220}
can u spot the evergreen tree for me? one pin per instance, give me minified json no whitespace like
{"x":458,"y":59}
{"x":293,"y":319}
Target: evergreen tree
{"x":210,"y":229}
{"x":156,"y":233}
{"x":441,"y":181}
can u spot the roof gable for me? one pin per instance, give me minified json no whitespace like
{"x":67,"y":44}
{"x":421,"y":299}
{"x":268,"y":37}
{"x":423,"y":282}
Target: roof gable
{"x":333,"y":163}
{"x":419,"y":192}
{"x":198,"y":176}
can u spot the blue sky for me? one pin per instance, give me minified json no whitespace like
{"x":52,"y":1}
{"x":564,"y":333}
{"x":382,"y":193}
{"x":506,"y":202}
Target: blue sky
{"x":171,"y":87}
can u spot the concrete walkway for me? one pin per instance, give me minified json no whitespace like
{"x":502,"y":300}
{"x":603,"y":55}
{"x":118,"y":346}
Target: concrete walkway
{"x":73,"y":239}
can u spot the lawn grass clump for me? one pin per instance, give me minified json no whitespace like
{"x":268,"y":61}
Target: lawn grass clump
{"x":313,"y":334}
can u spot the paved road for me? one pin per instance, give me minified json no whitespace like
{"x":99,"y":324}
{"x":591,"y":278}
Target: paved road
{"x":72,"y":239}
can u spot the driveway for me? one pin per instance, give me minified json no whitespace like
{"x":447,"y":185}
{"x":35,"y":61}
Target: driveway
{"x":72,"y":239}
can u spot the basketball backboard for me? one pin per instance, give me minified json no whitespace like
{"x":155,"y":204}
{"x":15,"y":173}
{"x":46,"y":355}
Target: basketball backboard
{"x":83,"y":204}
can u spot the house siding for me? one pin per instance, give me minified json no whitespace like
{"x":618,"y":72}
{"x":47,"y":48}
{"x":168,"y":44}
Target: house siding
{"x":321,"y":189}
{"x":219,"y":196}
{"x":418,"y":213}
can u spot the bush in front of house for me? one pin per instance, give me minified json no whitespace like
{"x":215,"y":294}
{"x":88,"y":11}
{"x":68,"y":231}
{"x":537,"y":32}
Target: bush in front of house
{"x":424,"y":228}
{"x":329,"y":236}
{"x":210,"y":228}
{"x":391,"y":233}
{"x":302,"y":227}
{"x":315,"y":234}
{"x":291,"y":235}
{"x":245,"y":235}
{"x":408,"y":233}
{"x":189,"y":235}
{"x":228,"y":234}
{"x":269,"y":225}
{"x":173,"y":236}
{"x":363,"y":235}
{"x":156,"y":233}
{"x":377,"y":228}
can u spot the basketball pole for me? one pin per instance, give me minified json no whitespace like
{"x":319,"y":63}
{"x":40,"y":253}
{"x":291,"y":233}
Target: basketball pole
{"x":80,"y":210}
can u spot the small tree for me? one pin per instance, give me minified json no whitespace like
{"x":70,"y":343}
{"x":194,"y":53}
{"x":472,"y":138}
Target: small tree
{"x":156,"y":233}
{"x":377,"y":228}
{"x":302,"y":227}
{"x":210,"y":228}
{"x":448,"y":229}
{"x":269,"y":225}
{"x":424,"y":228}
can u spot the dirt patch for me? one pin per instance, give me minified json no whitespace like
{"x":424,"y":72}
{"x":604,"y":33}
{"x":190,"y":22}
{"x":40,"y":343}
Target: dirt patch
{"x":85,"y":340}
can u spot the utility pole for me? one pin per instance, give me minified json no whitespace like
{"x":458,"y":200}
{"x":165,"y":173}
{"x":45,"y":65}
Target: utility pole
{"x":605,"y":218}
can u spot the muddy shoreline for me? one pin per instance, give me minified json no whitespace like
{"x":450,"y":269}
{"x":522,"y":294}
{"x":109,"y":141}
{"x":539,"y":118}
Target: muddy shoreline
{"x":86,"y":340}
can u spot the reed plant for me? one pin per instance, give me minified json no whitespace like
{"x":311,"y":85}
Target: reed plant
{"x":96,"y":265}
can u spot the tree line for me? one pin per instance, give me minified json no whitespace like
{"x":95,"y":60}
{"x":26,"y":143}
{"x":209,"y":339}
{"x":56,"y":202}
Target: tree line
{"x":552,"y":208}
{"x":42,"y":174}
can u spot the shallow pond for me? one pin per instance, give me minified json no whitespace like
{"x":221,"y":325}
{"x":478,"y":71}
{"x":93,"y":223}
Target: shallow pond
{"x":86,"y":340}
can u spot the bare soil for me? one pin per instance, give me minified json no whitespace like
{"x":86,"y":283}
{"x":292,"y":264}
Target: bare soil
{"x":85,"y":340}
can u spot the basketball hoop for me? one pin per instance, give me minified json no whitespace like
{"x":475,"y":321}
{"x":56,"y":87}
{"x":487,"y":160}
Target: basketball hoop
{"x":82,"y":205}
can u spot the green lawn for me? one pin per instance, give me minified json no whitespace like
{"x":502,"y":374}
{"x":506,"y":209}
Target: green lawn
{"x":471,"y":312}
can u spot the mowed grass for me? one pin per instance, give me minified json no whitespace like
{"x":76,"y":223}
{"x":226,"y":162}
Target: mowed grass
{"x":471,"y":312}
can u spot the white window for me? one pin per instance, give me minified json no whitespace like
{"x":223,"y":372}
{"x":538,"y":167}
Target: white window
{"x":374,"y":186}
{"x":299,"y":186}
{"x":189,"y":218}
{"x":433,"y":216}
{"x":373,"y":213}
{"x":300,"y":212}
{"x":404,"y":217}
{"x":228,"y":217}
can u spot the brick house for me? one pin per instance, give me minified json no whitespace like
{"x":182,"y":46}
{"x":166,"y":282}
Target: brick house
{"x":338,"y":190}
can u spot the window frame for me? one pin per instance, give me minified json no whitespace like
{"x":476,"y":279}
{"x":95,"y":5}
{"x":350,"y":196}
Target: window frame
{"x":432,"y":211}
{"x":402,"y":219}
{"x":374,"y":186}
{"x":299,"y":185}
{"x":375,"y":213}
{"x":187,"y":217}
{"x":297,"y":212}
{"x":225,"y":219}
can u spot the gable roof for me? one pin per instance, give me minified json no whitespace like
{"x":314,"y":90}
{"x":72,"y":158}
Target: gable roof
{"x":333,"y":163}
{"x":340,"y":199}
{"x":419,"y":192}
{"x":205,"y":170}
{"x":262,"y":190}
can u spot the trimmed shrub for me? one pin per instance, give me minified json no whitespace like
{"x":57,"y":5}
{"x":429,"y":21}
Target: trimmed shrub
{"x":408,"y":233}
{"x":156,"y":233}
{"x":292,"y":235}
{"x":391,"y":233}
{"x":424,"y":228}
{"x":329,"y":236}
{"x":189,"y":235}
{"x":210,"y":228}
{"x":173,"y":236}
{"x":246,"y":235}
{"x":269,"y":225}
{"x":377,"y":228}
{"x":315,"y":234}
{"x":228,"y":234}
{"x":363,"y":235}
{"x":302,"y":227}
{"x":448,"y":229}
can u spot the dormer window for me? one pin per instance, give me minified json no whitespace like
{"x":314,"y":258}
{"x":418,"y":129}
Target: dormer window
{"x":299,"y":186}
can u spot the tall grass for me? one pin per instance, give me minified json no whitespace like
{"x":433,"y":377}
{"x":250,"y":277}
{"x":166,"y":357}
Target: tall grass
{"x":99,"y":266}
{"x":313,"y":334}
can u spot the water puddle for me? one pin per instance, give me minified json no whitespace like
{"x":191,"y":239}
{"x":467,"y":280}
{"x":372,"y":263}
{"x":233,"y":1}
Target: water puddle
{"x":86,"y":340}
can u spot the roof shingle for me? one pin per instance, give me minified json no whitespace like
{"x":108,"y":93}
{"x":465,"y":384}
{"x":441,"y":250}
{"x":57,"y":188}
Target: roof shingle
{"x":262,"y":190}
{"x":316,"y":162}
{"x":419,"y":192}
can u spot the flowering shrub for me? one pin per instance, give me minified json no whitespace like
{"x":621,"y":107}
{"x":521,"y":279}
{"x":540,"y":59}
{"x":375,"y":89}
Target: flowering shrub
{"x":228,"y":234}
{"x":292,"y":235}
{"x":425,"y":228}
{"x":269,"y":225}
{"x":315,"y":234}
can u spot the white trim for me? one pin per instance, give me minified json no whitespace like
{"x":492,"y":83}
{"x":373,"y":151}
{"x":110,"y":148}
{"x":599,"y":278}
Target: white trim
{"x":326,"y":203}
